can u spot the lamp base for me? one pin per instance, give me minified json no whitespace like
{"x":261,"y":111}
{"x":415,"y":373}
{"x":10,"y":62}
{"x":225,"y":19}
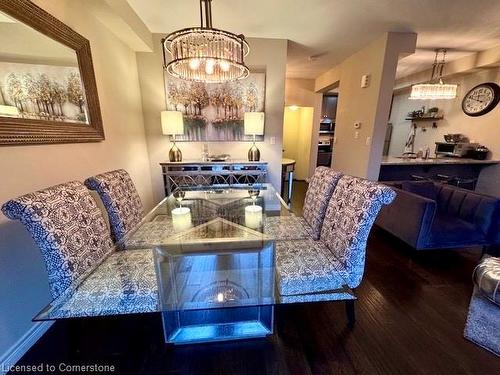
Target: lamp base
{"x":253,"y":153}
{"x":175,"y":155}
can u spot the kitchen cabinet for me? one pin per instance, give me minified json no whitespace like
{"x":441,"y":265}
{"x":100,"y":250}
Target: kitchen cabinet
{"x":329,"y":106}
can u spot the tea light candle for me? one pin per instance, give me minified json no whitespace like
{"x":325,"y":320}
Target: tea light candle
{"x":253,"y":216}
{"x":220,"y":297}
{"x":181,"y":218}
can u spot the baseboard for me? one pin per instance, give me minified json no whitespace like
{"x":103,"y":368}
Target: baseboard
{"x":16,"y":351}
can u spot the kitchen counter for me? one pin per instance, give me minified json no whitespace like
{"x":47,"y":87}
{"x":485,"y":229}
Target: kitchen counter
{"x":286,"y":161}
{"x":397,"y":169}
{"x":393,"y":160}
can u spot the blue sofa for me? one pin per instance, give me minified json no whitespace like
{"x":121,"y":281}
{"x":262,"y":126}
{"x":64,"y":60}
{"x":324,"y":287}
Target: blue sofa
{"x":430,"y":215}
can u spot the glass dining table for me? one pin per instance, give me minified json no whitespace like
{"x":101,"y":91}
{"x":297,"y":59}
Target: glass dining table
{"x":205,"y":259}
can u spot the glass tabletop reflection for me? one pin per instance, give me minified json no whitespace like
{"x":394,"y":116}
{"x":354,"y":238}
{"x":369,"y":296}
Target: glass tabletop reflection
{"x":184,"y":210}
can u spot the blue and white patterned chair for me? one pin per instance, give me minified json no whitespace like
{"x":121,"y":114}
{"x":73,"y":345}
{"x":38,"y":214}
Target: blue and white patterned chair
{"x":318,"y":195}
{"x":121,"y":200}
{"x":69,"y":229}
{"x":330,"y":268}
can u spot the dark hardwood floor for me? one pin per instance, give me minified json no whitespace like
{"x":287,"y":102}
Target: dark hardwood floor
{"x":410,"y":317}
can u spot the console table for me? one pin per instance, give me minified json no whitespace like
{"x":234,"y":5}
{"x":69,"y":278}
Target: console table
{"x":193,"y":174}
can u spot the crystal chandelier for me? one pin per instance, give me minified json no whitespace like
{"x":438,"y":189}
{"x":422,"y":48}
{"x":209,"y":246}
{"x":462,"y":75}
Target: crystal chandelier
{"x":205,"y":54}
{"x":435,"y":89}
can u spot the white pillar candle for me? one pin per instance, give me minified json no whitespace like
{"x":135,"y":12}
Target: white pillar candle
{"x":181,"y":218}
{"x":253,"y":217}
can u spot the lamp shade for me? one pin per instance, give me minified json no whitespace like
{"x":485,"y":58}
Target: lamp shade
{"x":8,"y":110}
{"x":172,"y":122}
{"x":254,"y":123}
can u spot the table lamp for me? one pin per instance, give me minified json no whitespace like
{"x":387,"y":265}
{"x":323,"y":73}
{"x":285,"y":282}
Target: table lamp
{"x":172,"y":124}
{"x":254,"y":125}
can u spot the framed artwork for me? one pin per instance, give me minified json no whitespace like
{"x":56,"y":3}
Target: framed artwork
{"x":212,"y":111}
{"x":48,"y":92}
{"x":43,"y":92}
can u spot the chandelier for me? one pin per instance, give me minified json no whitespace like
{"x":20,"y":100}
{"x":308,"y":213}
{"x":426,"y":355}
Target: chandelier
{"x":205,"y":54}
{"x":436,"y":88}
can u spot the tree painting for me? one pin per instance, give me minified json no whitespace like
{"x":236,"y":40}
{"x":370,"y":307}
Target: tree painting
{"x":15,"y":90}
{"x":43,"y":91}
{"x":214,"y":112}
{"x":75,"y":90}
{"x":251,"y":98}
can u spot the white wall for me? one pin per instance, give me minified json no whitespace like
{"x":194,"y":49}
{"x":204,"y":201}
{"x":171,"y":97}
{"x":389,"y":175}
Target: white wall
{"x":265,"y":54}
{"x":483,"y":129}
{"x":23,"y":280}
{"x":359,"y":151}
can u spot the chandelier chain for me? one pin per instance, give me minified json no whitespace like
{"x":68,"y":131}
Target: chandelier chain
{"x":435,"y":88}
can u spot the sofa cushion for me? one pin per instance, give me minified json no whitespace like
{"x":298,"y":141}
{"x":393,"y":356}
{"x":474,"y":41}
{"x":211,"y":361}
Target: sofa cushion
{"x":469,"y":206}
{"x":425,"y":189}
{"x":477,"y":209}
{"x":449,"y":231}
{"x":455,"y":202}
{"x":443,"y":197}
{"x":485,"y":216}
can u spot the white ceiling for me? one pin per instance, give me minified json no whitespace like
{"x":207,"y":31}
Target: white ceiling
{"x":334,"y":29}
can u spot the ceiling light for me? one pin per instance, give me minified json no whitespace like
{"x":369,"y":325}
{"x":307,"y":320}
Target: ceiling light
{"x":194,"y":64}
{"x":210,"y":66}
{"x":205,"y":54}
{"x":293,"y":107}
{"x":436,"y":88}
{"x":224,"y":65}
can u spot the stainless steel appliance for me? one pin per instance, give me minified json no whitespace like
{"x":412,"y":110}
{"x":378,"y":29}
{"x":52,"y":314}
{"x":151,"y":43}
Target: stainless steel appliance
{"x":324,"y":153}
{"x":326,"y":126}
{"x":458,"y":149}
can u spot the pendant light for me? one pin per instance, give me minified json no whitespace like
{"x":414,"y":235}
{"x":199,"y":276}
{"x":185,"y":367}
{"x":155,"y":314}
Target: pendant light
{"x":206,"y":54}
{"x":435,"y":88}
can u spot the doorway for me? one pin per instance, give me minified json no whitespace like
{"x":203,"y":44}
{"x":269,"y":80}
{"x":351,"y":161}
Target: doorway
{"x":297,"y":133}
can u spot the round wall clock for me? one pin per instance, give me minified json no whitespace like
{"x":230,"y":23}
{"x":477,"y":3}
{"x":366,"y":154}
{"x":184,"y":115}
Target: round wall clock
{"x":481,"y":99}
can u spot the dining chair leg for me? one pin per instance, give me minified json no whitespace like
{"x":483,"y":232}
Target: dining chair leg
{"x":350,"y":312}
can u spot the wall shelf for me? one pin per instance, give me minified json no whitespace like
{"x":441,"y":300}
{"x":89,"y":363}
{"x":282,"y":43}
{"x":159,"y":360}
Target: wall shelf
{"x":424,"y":118}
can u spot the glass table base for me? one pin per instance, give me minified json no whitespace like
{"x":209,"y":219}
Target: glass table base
{"x":199,"y":326}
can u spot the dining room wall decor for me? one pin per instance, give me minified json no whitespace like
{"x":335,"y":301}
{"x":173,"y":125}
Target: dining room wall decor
{"x":43,"y":92}
{"x":48,"y":44}
{"x":214,"y":111}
